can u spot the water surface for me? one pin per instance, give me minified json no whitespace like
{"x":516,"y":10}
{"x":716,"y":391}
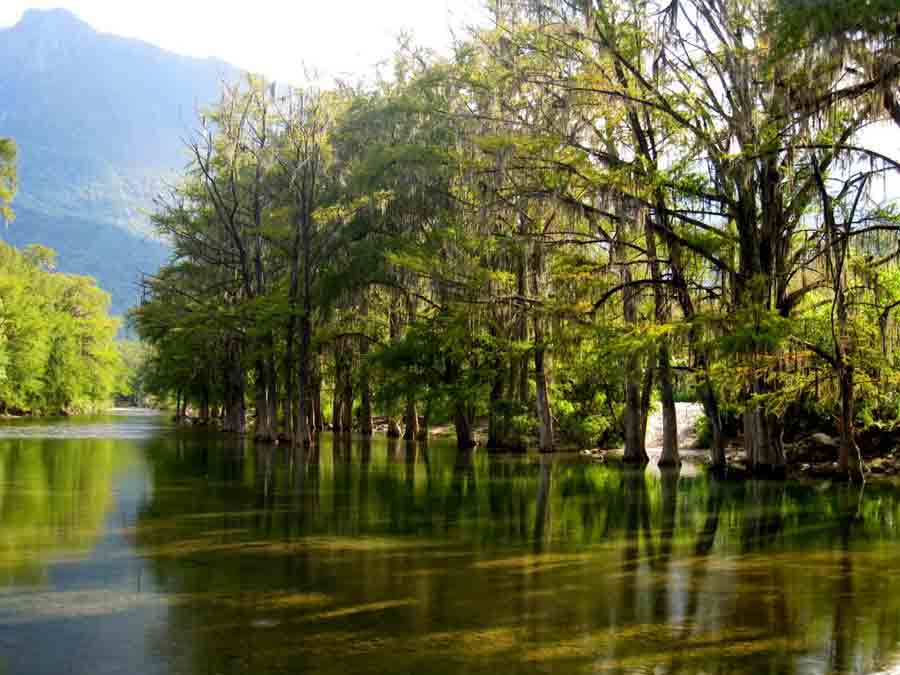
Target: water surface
{"x":126,"y":547}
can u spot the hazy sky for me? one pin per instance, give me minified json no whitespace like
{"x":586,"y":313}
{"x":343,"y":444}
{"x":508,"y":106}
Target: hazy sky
{"x":275,"y":37}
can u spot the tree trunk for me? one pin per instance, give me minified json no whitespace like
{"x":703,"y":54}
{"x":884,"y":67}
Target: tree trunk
{"x":644,"y":134}
{"x":426,"y":419}
{"x":635,"y":451}
{"x":393,"y":426}
{"x":463,"y":419}
{"x":265,"y":424}
{"x":849,"y":460}
{"x":495,"y":433}
{"x":520,"y":365}
{"x":337,"y":398}
{"x":316,"y":393}
{"x":544,"y":414}
{"x":411,"y":416}
{"x":272,"y":397}
{"x":303,"y":285}
{"x":204,"y":405}
{"x":647,"y":394}
{"x":365,"y":408}
{"x":235,"y":410}
{"x":289,"y":404}
{"x":347,"y":395}
{"x":365,"y":393}
{"x":336,"y":402}
{"x":303,"y":434}
{"x":545,"y":417}
{"x":718,"y":462}
{"x":763,"y":442}
{"x":670,"y":456}
{"x":411,"y":421}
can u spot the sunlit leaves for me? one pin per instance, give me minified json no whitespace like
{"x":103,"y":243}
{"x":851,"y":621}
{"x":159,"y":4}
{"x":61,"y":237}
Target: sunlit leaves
{"x":58,"y":350}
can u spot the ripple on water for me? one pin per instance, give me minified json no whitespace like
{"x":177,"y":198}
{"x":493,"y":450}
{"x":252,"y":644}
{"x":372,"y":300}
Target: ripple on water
{"x":118,"y":423}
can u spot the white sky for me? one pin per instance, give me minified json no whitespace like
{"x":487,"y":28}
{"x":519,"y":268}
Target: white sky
{"x":275,"y":37}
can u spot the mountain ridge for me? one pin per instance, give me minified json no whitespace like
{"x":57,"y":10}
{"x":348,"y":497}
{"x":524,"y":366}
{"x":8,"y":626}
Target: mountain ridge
{"x":99,"y":121}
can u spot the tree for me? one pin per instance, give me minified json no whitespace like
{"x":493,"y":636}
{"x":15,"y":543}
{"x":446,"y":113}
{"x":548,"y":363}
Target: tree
{"x":57,"y":349}
{"x":589,"y":209}
{"x":7,"y":177}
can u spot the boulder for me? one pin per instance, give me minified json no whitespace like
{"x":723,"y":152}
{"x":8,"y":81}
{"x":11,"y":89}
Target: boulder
{"x":824,"y":441}
{"x":814,"y":449}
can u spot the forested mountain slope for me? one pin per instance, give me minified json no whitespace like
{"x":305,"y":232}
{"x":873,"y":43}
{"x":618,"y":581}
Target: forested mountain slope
{"x":99,"y":122}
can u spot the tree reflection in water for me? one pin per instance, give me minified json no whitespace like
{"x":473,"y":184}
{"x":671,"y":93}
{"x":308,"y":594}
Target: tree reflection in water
{"x":356,"y":554}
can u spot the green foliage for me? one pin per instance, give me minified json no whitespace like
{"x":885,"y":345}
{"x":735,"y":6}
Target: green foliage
{"x":731,"y":420}
{"x":438,"y":360}
{"x":584,"y":430}
{"x":552,"y":228}
{"x":801,"y":20}
{"x":131,"y":383}
{"x":57,"y":352}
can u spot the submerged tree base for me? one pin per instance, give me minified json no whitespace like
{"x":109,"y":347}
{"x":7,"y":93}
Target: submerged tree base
{"x":512,"y":447}
{"x":636,"y":460}
{"x":768,"y":472}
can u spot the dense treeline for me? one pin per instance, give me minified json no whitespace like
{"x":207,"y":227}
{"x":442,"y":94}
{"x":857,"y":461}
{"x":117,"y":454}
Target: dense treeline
{"x":592,"y":208}
{"x":58,"y":348}
{"x":57,"y":340}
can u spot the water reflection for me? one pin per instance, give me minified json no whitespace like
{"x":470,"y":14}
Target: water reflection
{"x":53,"y":499}
{"x":392,"y":556}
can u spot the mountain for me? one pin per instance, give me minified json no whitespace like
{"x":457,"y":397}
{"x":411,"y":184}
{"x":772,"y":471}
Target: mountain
{"x":99,"y":121}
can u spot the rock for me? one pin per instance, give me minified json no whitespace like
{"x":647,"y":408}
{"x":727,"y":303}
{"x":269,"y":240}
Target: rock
{"x":824,"y":440}
{"x":815,"y":449}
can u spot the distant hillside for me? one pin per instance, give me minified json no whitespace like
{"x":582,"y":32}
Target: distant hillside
{"x":99,"y":122}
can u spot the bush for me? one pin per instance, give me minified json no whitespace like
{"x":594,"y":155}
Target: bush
{"x":731,"y":425}
{"x":581,"y":424}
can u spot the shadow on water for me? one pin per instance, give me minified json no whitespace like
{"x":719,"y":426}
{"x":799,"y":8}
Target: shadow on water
{"x":205,"y":554}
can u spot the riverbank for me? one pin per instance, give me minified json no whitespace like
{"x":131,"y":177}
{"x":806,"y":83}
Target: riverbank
{"x":810,"y":457}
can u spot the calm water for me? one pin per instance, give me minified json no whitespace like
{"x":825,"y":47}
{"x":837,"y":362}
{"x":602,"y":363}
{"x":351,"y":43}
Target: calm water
{"x":127,"y":548}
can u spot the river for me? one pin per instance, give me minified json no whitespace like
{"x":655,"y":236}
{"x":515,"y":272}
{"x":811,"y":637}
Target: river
{"x":128,"y":547}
